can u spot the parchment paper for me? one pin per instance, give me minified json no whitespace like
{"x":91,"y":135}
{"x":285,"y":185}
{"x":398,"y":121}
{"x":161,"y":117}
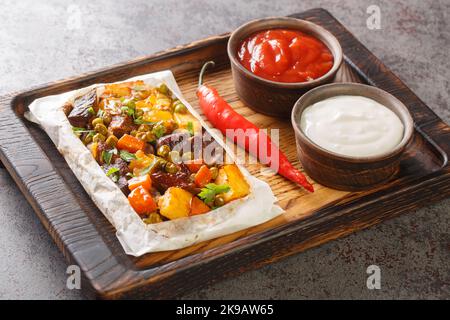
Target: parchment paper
{"x":136,"y":237}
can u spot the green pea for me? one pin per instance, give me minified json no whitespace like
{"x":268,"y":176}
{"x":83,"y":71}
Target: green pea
{"x":180,"y":108}
{"x":153,"y":218}
{"x":131,"y":104}
{"x":150,"y":137}
{"x":112,"y":141}
{"x":99,"y":138}
{"x":101,"y":128}
{"x":171,"y":167}
{"x":163,"y":151}
{"x":97,"y":121}
{"x":141,"y":135}
{"x":161,"y":164}
{"x":219,"y":201}
{"x":163,"y":88}
{"x":88,"y":138}
{"x":107,"y":119}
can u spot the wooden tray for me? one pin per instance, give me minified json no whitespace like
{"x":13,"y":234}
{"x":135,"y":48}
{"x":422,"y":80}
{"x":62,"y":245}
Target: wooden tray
{"x":87,"y":239}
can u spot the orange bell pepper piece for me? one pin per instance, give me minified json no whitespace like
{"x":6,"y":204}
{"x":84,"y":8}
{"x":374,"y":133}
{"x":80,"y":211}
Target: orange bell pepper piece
{"x":203,"y":176}
{"x":145,"y":181}
{"x":141,"y":200}
{"x":130,"y":143}
{"x":198,"y":206}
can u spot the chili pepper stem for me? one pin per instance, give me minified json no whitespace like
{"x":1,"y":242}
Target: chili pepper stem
{"x":202,"y":71}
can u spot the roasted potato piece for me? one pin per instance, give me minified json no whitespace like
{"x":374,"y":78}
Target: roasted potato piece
{"x":83,"y":109}
{"x":157,"y":115}
{"x":231,"y":175}
{"x":175,"y":203}
{"x":183,"y":120}
{"x":124,"y":89}
{"x":118,"y":90}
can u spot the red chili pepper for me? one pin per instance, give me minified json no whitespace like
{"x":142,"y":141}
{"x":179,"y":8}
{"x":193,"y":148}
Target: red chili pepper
{"x":223,"y":117}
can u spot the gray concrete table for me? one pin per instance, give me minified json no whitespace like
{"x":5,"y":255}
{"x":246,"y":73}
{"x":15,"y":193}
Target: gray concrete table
{"x":42,"y":41}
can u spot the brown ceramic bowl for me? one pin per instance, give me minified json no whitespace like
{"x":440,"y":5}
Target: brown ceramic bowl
{"x":344,"y":172}
{"x":271,"y":97}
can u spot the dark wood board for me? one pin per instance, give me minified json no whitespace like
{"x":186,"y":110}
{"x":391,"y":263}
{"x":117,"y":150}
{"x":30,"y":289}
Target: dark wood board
{"x":87,"y":239}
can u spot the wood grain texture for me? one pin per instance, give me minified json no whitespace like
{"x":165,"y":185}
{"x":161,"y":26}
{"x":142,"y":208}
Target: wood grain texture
{"x":87,"y":239}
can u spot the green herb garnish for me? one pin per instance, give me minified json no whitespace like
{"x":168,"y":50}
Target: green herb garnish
{"x":159,"y":131}
{"x":100,"y":113}
{"x":149,"y":168}
{"x":78,"y":131}
{"x":112,"y":171}
{"x":107,"y":156}
{"x":208,"y":193}
{"x":129,"y":111}
{"x":127,"y":156}
{"x":91,"y":110}
{"x":141,"y":121}
{"x":190,"y":128}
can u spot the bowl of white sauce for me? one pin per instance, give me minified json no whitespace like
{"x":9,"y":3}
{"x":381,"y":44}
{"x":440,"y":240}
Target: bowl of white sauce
{"x":351,"y":136}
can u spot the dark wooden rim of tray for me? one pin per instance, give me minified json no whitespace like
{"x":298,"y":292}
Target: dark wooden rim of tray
{"x":107,"y":275}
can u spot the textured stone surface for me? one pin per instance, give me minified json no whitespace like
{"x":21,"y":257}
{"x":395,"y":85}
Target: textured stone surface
{"x":45,"y":41}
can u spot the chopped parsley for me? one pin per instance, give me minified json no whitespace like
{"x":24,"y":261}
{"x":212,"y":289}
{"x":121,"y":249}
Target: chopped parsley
{"x":208,"y":193}
{"x":78,"y":131}
{"x":129,"y":111}
{"x":112,"y":171}
{"x":127,"y":156}
{"x":107,"y":155}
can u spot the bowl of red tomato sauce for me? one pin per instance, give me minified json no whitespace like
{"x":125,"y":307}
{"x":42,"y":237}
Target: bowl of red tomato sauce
{"x":274,"y":61}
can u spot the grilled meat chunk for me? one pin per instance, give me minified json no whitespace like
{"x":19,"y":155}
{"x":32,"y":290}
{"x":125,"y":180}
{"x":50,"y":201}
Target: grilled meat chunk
{"x":119,"y":177}
{"x":122,"y":183}
{"x":120,"y":125}
{"x":79,"y":115}
{"x":162,"y":180}
{"x":179,"y":141}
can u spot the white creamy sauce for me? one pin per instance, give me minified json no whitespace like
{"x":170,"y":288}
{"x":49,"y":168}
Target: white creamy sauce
{"x":352,"y":126}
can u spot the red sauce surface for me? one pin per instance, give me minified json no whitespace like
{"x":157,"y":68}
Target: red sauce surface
{"x":285,"y":56}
